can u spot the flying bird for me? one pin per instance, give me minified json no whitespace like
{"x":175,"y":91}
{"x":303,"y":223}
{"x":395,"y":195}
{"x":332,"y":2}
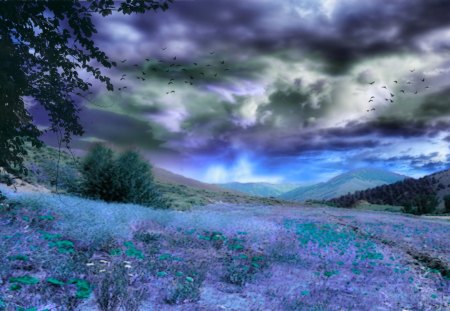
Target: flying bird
{"x":384,"y":87}
{"x":423,"y":79}
{"x":164,"y":49}
{"x":412,"y":70}
{"x":392,"y":95}
{"x":123,"y":61}
{"x":403,"y":91}
{"x":395,"y":81}
{"x":372,"y":82}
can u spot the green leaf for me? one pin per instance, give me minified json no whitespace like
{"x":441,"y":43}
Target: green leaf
{"x":189,"y":279}
{"x":54,"y":281}
{"x":26,"y":279}
{"x":161,"y":274}
{"x":15,"y":287}
{"x":18,"y":257}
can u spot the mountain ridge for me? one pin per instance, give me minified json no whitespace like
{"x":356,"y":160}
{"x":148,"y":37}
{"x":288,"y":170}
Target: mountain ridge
{"x":262,"y":189}
{"x":359,"y":179}
{"x":427,"y":192}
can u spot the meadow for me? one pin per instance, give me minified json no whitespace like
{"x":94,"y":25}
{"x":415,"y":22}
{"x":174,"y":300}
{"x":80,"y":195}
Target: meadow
{"x":66,"y":253}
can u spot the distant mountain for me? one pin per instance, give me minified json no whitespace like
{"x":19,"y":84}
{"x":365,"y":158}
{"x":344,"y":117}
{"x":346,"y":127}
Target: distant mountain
{"x":349,"y":182}
{"x":183,"y":192}
{"x":167,"y":177}
{"x":259,"y":189}
{"x":426,"y":193}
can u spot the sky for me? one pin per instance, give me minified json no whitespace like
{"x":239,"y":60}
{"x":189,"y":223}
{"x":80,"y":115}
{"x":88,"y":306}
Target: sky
{"x":282,"y":91}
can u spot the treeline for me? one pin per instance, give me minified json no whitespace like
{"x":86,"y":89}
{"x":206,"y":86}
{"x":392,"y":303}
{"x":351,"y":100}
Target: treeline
{"x":417,"y":196}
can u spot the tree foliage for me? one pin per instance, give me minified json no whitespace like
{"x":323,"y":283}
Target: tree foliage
{"x":415,"y":195}
{"x":98,"y":174}
{"x":44,"y":46}
{"x":119,"y":178}
{"x":447,"y":203}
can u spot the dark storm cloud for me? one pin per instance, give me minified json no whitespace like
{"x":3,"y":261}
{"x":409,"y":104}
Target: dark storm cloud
{"x":124,"y":131}
{"x":436,"y":105}
{"x":419,"y":162}
{"x":390,"y":127}
{"x":281,"y":98}
{"x":353,"y":32}
{"x":295,"y":106}
{"x":353,"y":136}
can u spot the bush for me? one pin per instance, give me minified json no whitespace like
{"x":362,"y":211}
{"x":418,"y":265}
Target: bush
{"x":134,"y":180}
{"x":421,"y":204}
{"x":98,"y":174}
{"x":2,"y":197}
{"x":6,"y":179}
{"x":186,"y":285}
{"x":447,"y":203}
{"x":125,"y":178}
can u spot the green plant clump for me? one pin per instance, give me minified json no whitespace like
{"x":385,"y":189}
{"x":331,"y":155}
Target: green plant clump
{"x":123,"y":178}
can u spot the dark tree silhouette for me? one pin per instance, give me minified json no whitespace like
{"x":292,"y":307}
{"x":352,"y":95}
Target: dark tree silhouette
{"x":44,"y":45}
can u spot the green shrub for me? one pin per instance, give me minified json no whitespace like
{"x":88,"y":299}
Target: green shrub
{"x":98,"y":174}
{"x":2,"y":197}
{"x":111,"y":288}
{"x":421,"y":204}
{"x":124,"y":178}
{"x":134,"y":181}
{"x":447,"y":203}
{"x":184,"y":289}
{"x":6,"y":179}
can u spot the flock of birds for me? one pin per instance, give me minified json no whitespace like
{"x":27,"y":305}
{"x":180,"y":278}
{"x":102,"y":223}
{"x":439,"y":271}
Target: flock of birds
{"x":408,"y":85}
{"x":176,"y":71}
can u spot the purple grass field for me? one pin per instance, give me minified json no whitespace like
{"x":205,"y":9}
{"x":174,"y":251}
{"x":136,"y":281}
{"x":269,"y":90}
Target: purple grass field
{"x":66,"y":253}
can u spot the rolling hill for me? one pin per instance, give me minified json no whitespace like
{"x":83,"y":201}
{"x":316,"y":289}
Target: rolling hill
{"x":48,"y":168}
{"x":349,"y":182}
{"x":420,"y":195}
{"x":259,"y":189}
{"x":166,"y":177}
